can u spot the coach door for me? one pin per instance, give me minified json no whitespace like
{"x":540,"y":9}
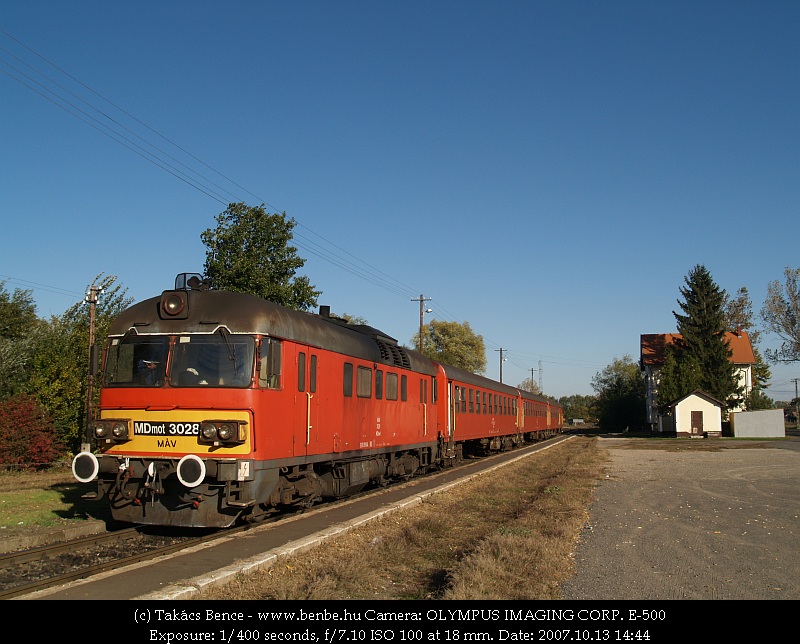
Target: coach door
{"x":306,"y":406}
{"x":452,"y":405}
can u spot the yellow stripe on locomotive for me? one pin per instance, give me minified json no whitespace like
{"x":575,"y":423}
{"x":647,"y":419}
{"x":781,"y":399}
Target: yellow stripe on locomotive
{"x":125,"y":432}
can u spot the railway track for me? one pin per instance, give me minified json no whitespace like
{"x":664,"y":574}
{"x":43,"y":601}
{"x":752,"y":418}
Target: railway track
{"x":25,"y":572}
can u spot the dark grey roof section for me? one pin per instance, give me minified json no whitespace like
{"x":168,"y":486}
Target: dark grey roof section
{"x":478,"y":381}
{"x":241,"y":313}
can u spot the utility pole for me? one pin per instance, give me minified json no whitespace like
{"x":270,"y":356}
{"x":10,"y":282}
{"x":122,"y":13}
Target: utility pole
{"x":533,"y":378}
{"x":501,"y":363}
{"x":91,"y":298}
{"x":422,"y":312}
{"x":796,"y":406}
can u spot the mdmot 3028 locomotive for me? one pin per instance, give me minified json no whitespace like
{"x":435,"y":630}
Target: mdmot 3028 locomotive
{"x":217,"y":407}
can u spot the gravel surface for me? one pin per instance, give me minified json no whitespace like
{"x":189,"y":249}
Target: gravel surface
{"x":693,"y":523}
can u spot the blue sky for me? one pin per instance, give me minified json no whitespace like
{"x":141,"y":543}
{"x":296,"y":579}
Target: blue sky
{"x":548,"y":172}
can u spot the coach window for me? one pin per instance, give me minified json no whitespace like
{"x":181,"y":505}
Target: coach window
{"x":379,"y":384}
{"x":312,"y":375}
{"x":423,"y":391}
{"x":471,"y":403}
{"x":301,"y":371}
{"x":404,"y":388}
{"x":348,"y":379}
{"x":363,"y":382}
{"x":391,"y":386}
{"x":270,"y":372}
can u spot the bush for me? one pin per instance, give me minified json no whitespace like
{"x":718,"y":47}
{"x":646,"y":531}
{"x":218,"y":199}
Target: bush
{"x":27,"y":436}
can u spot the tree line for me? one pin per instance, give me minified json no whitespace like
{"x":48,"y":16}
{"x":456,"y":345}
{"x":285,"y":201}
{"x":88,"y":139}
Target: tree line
{"x":44,"y":363}
{"x":701,"y":357}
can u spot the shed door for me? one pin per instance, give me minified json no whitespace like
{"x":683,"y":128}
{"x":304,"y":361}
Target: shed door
{"x":697,"y":422}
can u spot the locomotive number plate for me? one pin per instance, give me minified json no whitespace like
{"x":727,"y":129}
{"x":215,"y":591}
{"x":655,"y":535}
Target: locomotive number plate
{"x":144,"y":428}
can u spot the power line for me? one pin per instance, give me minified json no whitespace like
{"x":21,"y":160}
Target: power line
{"x":56,"y":92}
{"x":111,"y":127}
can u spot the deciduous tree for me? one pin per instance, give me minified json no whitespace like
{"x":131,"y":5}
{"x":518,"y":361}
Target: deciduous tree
{"x":455,"y":344}
{"x":249,"y":251}
{"x":529,"y":384}
{"x":781,"y":314}
{"x":578,"y":406}
{"x":26,"y":434}
{"x":738,"y":314}
{"x":60,"y":375}
{"x":19,"y":326}
{"x":620,"y":395}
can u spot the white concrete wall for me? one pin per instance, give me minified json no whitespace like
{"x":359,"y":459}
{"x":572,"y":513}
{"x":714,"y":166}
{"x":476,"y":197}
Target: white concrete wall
{"x":765,"y":423}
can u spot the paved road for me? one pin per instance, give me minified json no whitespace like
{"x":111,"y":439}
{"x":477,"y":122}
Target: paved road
{"x":692,"y":523}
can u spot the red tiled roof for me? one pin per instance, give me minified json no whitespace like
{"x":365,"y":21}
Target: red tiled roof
{"x":654,"y":346}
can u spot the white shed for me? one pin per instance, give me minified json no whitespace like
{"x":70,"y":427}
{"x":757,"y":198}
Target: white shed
{"x":697,"y":414}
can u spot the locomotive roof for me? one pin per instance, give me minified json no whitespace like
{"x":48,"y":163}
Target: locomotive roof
{"x":242,"y":313}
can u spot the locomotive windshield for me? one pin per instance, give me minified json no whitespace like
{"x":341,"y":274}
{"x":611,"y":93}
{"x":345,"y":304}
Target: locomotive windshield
{"x":219,"y":360}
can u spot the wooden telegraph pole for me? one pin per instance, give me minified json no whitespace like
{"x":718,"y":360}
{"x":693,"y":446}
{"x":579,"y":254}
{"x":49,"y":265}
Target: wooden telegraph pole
{"x":91,"y":298}
{"x":422,"y":312}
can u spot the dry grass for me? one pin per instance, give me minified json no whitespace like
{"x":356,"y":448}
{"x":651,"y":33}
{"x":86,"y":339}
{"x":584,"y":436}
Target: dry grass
{"x":509,"y":534}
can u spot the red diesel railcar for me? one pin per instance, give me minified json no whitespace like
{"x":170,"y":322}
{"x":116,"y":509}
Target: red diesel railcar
{"x":217,"y":406}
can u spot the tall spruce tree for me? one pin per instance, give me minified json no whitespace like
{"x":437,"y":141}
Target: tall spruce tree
{"x":702,"y":328}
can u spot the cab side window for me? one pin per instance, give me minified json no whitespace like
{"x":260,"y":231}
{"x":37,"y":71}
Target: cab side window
{"x":270,"y":373}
